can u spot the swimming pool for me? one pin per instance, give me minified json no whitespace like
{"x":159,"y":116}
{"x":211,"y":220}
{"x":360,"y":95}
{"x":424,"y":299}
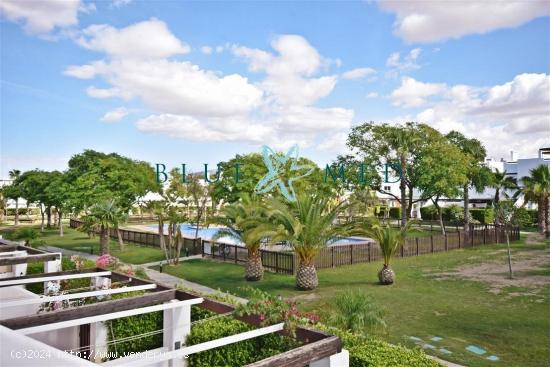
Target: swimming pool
{"x":188,"y":230}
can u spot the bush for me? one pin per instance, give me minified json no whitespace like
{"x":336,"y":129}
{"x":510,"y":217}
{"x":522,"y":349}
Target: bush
{"x":395,"y":213}
{"x":534,"y":214}
{"x":66,"y":264}
{"x":23,"y":211}
{"x":428,"y":212}
{"x":237,"y":354}
{"x":453,"y":213}
{"x":368,"y":352}
{"x":483,"y":216}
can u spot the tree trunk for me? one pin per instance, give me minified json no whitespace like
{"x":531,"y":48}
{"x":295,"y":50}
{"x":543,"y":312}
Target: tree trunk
{"x":161,"y":233}
{"x":16,"y":218}
{"x":42,"y":215}
{"x":49,"y":215}
{"x":104,"y":240}
{"x":403,"y":188}
{"x":120,"y":241}
{"x":60,"y":218}
{"x":546,"y":216}
{"x":540,"y":216}
{"x":466,"y":209}
{"x":440,"y":216}
{"x":306,"y":277}
{"x":509,"y":254}
{"x":254,"y":267}
{"x":410,"y":205}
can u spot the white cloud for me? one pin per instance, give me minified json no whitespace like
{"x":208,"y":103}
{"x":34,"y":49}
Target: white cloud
{"x":413,"y":93}
{"x":192,"y":103}
{"x":219,"y":49}
{"x":207,"y":50}
{"x":408,"y":62}
{"x":150,"y":39}
{"x":372,"y":95}
{"x":40,"y":17}
{"x":431,"y":21}
{"x":513,"y":115}
{"x":115,"y":115}
{"x":335,"y":143}
{"x":358,"y":73}
{"x":120,"y":3}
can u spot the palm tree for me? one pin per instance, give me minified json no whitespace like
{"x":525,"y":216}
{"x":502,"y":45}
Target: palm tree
{"x":502,"y":182}
{"x":309,"y":225}
{"x":159,"y":208}
{"x":537,"y":189}
{"x":389,"y":239}
{"x":355,"y":311}
{"x":105,"y":215}
{"x":246,"y":222}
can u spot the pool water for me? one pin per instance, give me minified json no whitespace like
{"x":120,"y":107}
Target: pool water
{"x":188,"y":230}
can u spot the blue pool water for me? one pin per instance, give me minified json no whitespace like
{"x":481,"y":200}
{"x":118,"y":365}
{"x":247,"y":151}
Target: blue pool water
{"x":188,"y":230}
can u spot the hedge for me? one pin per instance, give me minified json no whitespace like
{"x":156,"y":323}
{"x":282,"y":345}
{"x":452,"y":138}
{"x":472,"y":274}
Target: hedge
{"x":369,"y":352}
{"x":395,"y":213}
{"x":22,"y":211}
{"x":237,"y":354}
{"x":483,"y":216}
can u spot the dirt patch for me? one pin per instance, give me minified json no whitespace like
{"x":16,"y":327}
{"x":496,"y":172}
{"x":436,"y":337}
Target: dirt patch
{"x":304,"y":297}
{"x":534,"y":238}
{"x":496,"y":273}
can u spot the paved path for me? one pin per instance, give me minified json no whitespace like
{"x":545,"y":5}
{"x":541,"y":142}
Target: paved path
{"x":155,"y":275}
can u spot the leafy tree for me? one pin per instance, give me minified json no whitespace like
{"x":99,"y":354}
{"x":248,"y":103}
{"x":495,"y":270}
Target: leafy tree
{"x":400,"y":146}
{"x":507,"y":214}
{"x":537,"y":189}
{"x":33,"y":189}
{"x":479,"y":176}
{"x":199,"y":193}
{"x":98,"y":177}
{"x":29,"y":235}
{"x":309,"y":225}
{"x":389,"y":239}
{"x":13,"y":191}
{"x":444,"y":172}
{"x":246,"y":221}
{"x":60,"y":194}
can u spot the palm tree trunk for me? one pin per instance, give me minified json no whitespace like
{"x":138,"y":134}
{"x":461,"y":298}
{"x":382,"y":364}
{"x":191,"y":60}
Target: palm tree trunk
{"x":306,"y":277}
{"x":120,"y":241}
{"x":254,"y":267}
{"x":546,"y":216}
{"x":16,"y":218}
{"x":410,"y":205}
{"x":540,"y":215}
{"x":104,"y":240}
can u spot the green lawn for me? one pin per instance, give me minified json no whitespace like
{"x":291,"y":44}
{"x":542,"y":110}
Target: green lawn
{"x":514,"y":328}
{"x":78,"y":241}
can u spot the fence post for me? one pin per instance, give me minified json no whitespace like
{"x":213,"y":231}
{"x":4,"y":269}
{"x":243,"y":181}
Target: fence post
{"x":332,"y":255}
{"x":417,"y":253}
{"x":369,"y":250}
{"x":472,"y":236}
{"x":351,"y":254}
{"x":277,"y":262}
{"x":485,"y":235}
{"x":403,"y":249}
{"x":432,"y":243}
{"x":446,"y":243}
{"x":235,"y":254}
{"x":459,"y":238}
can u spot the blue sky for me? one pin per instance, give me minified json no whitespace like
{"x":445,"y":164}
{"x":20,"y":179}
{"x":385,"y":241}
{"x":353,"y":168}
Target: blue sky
{"x":197,"y":82}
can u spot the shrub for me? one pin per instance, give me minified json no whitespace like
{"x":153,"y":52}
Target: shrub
{"x":368,"y":352}
{"x":355,"y":312}
{"x":428,"y":212}
{"x":29,"y":235}
{"x":453,"y":213}
{"x":237,"y":354}
{"x":483,"y":216}
{"x":395,"y":213}
{"x":66,"y":264}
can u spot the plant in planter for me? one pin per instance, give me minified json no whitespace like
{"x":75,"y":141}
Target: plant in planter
{"x":272,"y":309}
{"x":389,"y":239}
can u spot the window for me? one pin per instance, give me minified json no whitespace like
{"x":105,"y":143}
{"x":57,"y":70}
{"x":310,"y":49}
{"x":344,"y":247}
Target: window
{"x":387,"y":188}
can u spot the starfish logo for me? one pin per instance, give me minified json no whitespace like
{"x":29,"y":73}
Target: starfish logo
{"x":278,"y":175}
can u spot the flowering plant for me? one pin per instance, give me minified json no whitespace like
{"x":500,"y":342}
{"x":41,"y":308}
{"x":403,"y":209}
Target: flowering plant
{"x":105,"y":261}
{"x":78,"y":262}
{"x":273,"y":309}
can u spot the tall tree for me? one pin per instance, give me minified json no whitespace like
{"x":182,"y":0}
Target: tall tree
{"x":13,"y":191}
{"x":501,"y":182}
{"x":478,"y":174}
{"x":537,"y":189}
{"x":105,"y":215}
{"x":61,"y":195}
{"x":444,"y":173}
{"x":199,"y":192}
{"x":33,"y":189}
{"x":400,"y":146}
